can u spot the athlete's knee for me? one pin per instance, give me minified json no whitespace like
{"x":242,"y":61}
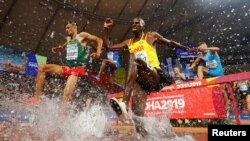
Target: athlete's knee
{"x":248,"y":98}
{"x":41,"y":68}
{"x":200,"y":69}
{"x":104,"y":62}
{"x":66,"y":97}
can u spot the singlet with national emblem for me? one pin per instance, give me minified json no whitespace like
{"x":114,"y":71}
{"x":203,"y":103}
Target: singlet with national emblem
{"x":142,"y":49}
{"x":76,"y":54}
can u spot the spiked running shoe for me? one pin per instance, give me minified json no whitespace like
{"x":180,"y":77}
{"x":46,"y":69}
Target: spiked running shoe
{"x":30,"y":101}
{"x":119,"y":108}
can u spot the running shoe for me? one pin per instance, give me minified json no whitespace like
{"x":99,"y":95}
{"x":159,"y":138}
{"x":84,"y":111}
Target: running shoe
{"x":119,"y":108}
{"x":30,"y":101}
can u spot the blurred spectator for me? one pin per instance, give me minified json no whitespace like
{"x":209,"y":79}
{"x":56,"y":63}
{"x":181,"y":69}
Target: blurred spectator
{"x":177,"y":76}
{"x":242,"y":88}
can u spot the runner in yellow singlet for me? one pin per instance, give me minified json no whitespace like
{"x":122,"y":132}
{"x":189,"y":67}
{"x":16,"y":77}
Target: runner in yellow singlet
{"x":144,"y":74}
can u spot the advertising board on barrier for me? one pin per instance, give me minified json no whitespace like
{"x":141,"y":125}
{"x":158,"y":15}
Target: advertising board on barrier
{"x":34,"y":61}
{"x":184,"y":54}
{"x":200,"y":102}
{"x":194,"y":99}
{"x":185,"y":85}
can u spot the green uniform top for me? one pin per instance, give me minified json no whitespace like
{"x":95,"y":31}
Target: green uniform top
{"x":76,"y":54}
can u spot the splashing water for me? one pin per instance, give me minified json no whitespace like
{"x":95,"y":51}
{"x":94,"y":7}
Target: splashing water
{"x":90,"y":124}
{"x":160,"y":130}
{"x":49,"y":125}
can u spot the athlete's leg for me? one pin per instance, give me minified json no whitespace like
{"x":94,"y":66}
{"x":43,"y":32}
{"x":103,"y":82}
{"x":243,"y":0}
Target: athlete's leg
{"x":67,"y":92}
{"x":139,"y":97}
{"x":148,"y":75}
{"x":103,"y":66}
{"x":122,"y":108}
{"x":113,"y":69}
{"x":225,"y":95}
{"x":105,"y":63}
{"x":130,"y":80}
{"x":201,"y":71}
{"x":88,"y":103}
{"x":112,"y":76}
{"x":40,"y":78}
{"x":110,"y":63}
{"x":139,"y":100}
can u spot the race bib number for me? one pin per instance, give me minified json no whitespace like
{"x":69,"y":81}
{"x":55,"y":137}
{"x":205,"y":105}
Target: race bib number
{"x":72,"y":52}
{"x":142,"y":55}
{"x":211,"y":64}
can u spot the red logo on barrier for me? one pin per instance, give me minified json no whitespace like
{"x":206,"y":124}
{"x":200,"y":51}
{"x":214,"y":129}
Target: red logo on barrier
{"x":200,"y":102}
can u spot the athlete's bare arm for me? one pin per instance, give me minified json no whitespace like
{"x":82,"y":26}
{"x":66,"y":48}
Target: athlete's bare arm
{"x":108,"y":23}
{"x":56,"y":49}
{"x":196,"y":61}
{"x":99,"y":41}
{"x":213,"y":49}
{"x":121,"y":45}
{"x":161,"y":40}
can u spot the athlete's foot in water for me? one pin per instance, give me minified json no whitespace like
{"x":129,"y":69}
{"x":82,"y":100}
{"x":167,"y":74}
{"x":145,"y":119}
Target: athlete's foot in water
{"x":120,"y":110}
{"x":30,"y":101}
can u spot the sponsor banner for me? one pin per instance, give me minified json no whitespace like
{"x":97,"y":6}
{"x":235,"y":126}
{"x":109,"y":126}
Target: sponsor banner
{"x":185,"y":85}
{"x":32,"y":65}
{"x":242,"y":116}
{"x":41,"y":59}
{"x":13,"y":61}
{"x":209,"y":81}
{"x":34,"y":61}
{"x":184,"y":54}
{"x":201,"y":102}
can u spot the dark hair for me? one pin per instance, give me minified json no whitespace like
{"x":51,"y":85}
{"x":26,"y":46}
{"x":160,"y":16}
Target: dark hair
{"x":71,"y":22}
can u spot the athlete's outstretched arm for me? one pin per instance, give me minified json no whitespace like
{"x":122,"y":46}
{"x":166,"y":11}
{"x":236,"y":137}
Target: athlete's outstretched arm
{"x":213,"y":49}
{"x":56,"y":49}
{"x":196,"y":61}
{"x":107,"y":25}
{"x":161,"y":40}
{"x":122,"y":45}
{"x":95,"y":38}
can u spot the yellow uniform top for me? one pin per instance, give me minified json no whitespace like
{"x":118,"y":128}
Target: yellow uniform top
{"x":142,"y":49}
